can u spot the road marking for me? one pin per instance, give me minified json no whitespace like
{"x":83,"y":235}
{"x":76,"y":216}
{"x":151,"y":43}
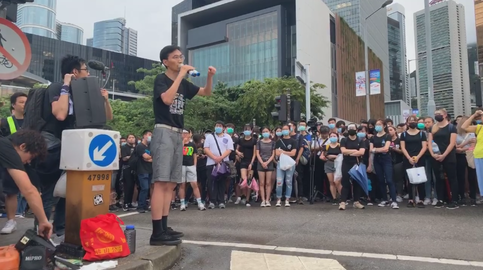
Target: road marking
{"x":338,"y":253}
{"x":128,"y":214}
{"x":241,"y":260}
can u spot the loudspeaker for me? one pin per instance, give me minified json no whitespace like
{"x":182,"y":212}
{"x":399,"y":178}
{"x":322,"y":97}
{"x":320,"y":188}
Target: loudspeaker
{"x":89,"y":108}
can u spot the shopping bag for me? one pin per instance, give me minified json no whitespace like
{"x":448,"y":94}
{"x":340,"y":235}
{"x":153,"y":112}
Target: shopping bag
{"x":286,"y":162}
{"x":417,"y":175}
{"x":338,"y":167}
{"x":61,"y":186}
{"x":103,"y":239}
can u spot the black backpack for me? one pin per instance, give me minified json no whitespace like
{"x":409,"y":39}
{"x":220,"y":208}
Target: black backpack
{"x":133,"y":160}
{"x":34,"y":108}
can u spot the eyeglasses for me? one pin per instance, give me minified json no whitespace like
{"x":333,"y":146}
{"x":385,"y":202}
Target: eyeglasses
{"x":178,"y":57}
{"x":86,"y":69}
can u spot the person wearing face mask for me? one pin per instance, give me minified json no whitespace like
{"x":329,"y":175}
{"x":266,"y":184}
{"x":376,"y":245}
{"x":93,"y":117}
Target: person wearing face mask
{"x":473,"y":125}
{"x":414,"y":145}
{"x":397,"y":163}
{"x":286,"y":145}
{"x":379,"y":145}
{"x":368,"y":159}
{"x":431,"y":183}
{"x":464,"y":142}
{"x":331,"y":125}
{"x":353,"y":150}
{"x":303,"y":162}
{"x":328,"y":155}
{"x":444,"y":135}
{"x":218,"y":148}
{"x":265,"y":152}
{"x":233,"y":181}
{"x":320,"y":177}
{"x":144,"y":170}
{"x":246,"y":151}
{"x":128,"y":173}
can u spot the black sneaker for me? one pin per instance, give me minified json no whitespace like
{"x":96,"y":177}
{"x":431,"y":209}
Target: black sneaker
{"x":439,"y":204}
{"x":462,"y":202}
{"x":452,"y":206}
{"x":173,"y":206}
{"x":174,"y":233}
{"x":472,"y":202}
{"x":128,"y":207}
{"x":113,"y":208}
{"x":141,"y":211}
{"x":334,"y":202}
{"x":421,"y":204}
{"x":164,"y":240}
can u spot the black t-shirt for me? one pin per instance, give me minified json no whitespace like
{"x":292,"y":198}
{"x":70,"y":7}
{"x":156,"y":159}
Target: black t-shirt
{"x":5,"y":128}
{"x":53,"y":125}
{"x":189,"y":150}
{"x":332,"y":151}
{"x":171,"y":115}
{"x":9,"y":158}
{"x":413,"y":143}
{"x":246,"y":147}
{"x":396,"y":157}
{"x":201,"y":164}
{"x":380,"y":142}
{"x":143,"y":166}
{"x":232,"y":155}
{"x":286,"y":145}
{"x":350,"y":144}
{"x":126,"y":151}
{"x":443,"y":137}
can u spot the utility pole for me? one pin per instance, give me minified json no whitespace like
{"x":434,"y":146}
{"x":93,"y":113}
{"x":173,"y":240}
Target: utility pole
{"x":429,"y":58}
{"x":113,"y":88}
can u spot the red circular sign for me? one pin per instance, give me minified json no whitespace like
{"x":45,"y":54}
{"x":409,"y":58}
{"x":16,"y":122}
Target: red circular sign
{"x":15,"y":51}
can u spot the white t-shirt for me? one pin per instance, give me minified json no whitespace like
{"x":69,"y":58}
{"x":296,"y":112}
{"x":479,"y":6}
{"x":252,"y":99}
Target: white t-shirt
{"x":224,"y":142}
{"x":464,"y":138}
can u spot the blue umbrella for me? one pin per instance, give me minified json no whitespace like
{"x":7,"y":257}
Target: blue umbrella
{"x":359,"y":174}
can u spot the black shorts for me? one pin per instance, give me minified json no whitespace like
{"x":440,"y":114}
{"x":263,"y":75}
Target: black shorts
{"x":244,"y":164}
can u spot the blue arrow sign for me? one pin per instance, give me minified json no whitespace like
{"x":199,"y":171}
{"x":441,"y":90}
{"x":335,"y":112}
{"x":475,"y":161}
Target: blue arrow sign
{"x":102,"y":150}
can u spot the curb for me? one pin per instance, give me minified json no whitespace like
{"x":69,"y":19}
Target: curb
{"x":159,"y":258}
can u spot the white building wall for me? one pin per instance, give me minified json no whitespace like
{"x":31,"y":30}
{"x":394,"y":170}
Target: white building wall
{"x":313,"y":43}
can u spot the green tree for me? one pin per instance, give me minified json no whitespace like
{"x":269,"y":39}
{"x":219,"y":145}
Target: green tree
{"x":40,"y":85}
{"x":146,"y":85}
{"x":132,"y":117}
{"x":4,"y":107}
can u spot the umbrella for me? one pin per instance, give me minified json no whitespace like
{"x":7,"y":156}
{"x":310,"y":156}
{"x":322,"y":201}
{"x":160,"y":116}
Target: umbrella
{"x":359,"y":174}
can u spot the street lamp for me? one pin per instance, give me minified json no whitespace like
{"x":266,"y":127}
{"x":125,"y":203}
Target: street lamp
{"x":429,"y":58}
{"x":366,"y":58}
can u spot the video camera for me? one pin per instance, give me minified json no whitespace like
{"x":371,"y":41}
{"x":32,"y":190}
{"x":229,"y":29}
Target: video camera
{"x":312,"y":124}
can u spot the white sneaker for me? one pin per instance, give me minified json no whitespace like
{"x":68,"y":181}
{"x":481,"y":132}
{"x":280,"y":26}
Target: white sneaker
{"x":262,"y":204}
{"x":248,"y":204}
{"x":238,"y":200}
{"x":394,"y":205}
{"x":201,"y":207}
{"x":267,"y":204}
{"x":287,"y":203}
{"x":183,"y":207}
{"x":399,"y":199}
{"x":279,"y":203}
{"x":416,"y":199}
{"x":382,"y":204}
{"x":9,"y":227}
{"x":406,"y":197}
{"x":427,"y":201}
{"x":19,"y":216}
{"x":221,"y":206}
{"x":243,"y":201}
{"x":211,"y":206}
{"x":435,"y":201}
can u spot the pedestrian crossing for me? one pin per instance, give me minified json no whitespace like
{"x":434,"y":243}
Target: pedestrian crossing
{"x":242,"y":260}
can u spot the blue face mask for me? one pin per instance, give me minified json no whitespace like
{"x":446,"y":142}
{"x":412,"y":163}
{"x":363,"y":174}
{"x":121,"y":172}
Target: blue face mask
{"x":378,"y":128}
{"x":285,"y":132}
{"x":266,"y":135}
{"x":247,"y":132}
{"x":361,"y":134}
{"x":478,"y":122}
{"x":123,"y":143}
{"x":339,"y":130}
{"x":331,"y":126}
{"x":278,"y":133}
{"x":333,"y":139}
{"x":139,"y":141}
{"x":218,"y":130}
{"x":301,"y":128}
{"x":149,"y":139}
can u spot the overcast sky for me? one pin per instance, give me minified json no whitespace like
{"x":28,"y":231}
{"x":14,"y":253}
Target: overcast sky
{"x":152,"y":20}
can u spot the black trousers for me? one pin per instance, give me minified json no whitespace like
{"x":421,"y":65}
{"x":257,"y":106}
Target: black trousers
{"x":216,"y":188}
{"x":448,"y":166}
{"x":202,"y":183}
{"x":461,"y":169}
{"x":347,"y":184}
{"x":421,"y":188}
{"x":129,"y":182}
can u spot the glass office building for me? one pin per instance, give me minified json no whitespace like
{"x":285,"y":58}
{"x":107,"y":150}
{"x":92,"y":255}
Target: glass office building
{"x":70,"y":33}
{"x":479,"y":32}
{"x":38,"y":18}
{"x":396,"y":37}
{"x":47,"y":54}
{"x":108,"y":35}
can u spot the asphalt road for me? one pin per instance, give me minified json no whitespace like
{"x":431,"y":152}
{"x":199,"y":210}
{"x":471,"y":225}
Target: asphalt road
{"x":305,"y":230}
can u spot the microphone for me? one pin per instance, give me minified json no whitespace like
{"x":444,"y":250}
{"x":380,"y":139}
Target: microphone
{"x":192,"y":73}
{"x":96,"y":65}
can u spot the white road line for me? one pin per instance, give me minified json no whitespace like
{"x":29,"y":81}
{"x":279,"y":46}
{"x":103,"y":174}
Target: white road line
{"x":128,"y":214}
{"x":340,"y":253}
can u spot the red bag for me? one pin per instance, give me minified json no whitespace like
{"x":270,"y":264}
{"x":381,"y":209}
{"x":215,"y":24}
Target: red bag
{"x":103,"y":239}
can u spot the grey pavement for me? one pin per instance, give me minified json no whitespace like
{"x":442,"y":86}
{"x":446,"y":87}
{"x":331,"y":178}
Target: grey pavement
{"x":146,"y":257}
{"x":433,"y":233}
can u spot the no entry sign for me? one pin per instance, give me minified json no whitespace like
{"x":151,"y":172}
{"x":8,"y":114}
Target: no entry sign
{"x":15,"y":52}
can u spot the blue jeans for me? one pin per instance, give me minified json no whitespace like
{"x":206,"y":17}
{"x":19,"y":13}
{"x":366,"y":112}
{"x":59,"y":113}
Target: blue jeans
{"x":21,"y":204}
{"x":479,"y":173}
{"x":144,"y":182}
{"x":288,"y":176}
{"x":383,"y":167}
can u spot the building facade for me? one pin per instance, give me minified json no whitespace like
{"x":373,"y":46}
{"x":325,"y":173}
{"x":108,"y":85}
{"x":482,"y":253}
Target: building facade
{"x":396,"y":26}
{"x":47,"y":54}
{"x":479,"y":32}
{"x":38,"y":18}
{"x":90,"y":42}
{"x":253,"y":39}
{"x":354,"y":13}
{"x":130,"y":42}
{"x":113,"y":35}
{"x":70,"y":33}
{"x":450,"y":59}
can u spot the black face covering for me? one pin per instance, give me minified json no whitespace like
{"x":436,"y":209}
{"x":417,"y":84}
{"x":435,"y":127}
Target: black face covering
{"x":413,"y":125}
{"x":352,"y":132}
{"x":438,"y":118}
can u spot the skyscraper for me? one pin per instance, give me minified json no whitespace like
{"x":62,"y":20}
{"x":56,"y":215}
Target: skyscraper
{"x":450,"y":58}
{"x":113,"y":35}
{"x":479,"y":32}
{"x":354,"y":13}
{"x":90,"y":42}
{"x":396,"y":27}
{"x":38,"y":18}
{"x":70,"y":33}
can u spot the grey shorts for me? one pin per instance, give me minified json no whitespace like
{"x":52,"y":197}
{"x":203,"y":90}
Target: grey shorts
{"x":329,"y":167}
{"x":189,"y":174}
{"x":167,"y":153}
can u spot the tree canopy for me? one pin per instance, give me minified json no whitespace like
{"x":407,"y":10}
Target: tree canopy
{"x":238,"y":105}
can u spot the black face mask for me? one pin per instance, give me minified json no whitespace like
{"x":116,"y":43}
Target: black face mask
{"x":352,"y":132}
{"x":413,"y":125}
{"x":438,"y":118}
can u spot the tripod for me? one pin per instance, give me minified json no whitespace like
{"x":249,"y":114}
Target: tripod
{"x":313,"y":190}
